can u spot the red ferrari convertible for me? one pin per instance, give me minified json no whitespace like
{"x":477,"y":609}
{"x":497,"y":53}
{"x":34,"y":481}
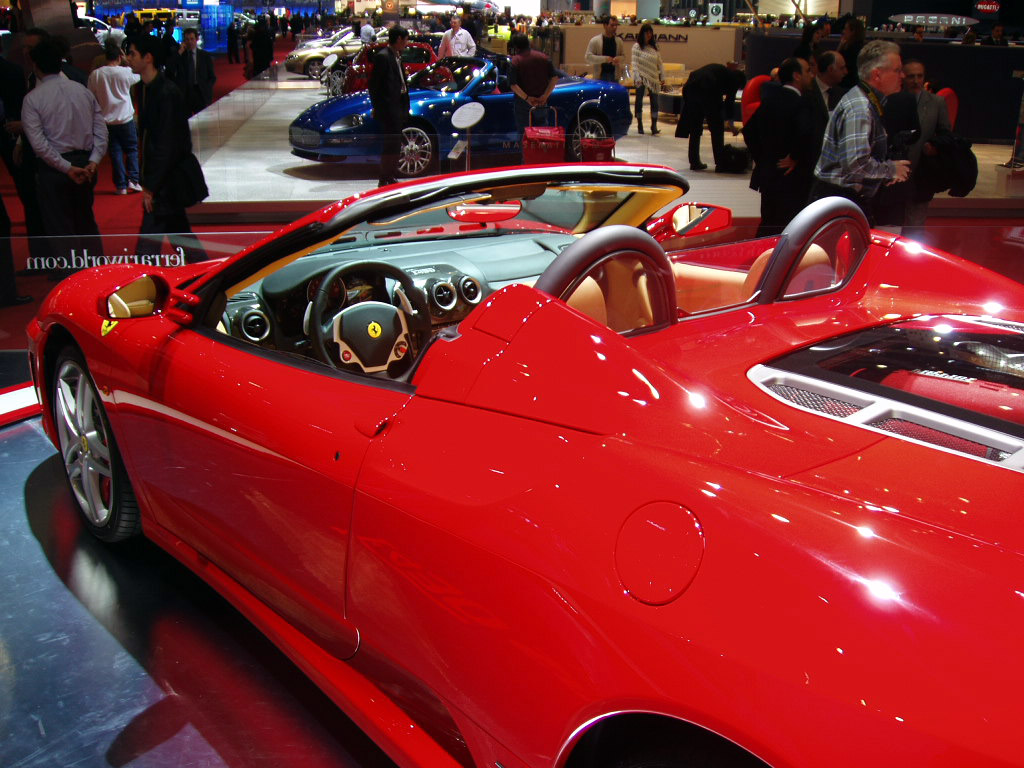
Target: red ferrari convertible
{"x":524,"y":470}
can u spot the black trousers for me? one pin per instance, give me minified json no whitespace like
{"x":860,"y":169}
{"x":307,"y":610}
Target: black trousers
{"x":390,"y":149}
{"x":173,"y":226}
{"x":696,"y":113}
{"x":822,"y":189}
{"x":66,"y":209}
{"x":8,"y":289}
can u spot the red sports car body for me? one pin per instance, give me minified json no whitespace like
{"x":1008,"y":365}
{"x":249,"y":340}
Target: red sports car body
{"x":521,"y":476}
{"x":415,"y":57}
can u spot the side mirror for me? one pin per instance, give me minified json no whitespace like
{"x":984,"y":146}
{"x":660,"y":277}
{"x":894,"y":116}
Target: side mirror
{"x":139,"y":298}
{"x":148,"y":295}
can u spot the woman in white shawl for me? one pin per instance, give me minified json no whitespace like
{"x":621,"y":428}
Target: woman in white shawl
{"x":648,"y":76}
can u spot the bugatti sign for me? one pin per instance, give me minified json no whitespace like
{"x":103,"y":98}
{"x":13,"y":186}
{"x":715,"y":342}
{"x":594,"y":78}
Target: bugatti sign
{"x":987,"y":6}
{"x":933,"y":19}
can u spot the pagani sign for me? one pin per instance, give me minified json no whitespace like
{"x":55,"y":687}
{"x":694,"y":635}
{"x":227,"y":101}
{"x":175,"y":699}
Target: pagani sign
{"x":933,"y":19}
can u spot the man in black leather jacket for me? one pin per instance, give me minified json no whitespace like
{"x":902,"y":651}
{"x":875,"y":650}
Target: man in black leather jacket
{"x":171,"y":177}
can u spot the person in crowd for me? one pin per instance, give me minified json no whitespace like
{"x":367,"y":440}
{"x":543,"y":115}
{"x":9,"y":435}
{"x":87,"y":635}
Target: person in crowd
{"x":648,"y":76}
{"x":933,"y":118}
{"x":261,"y":45}
{"x":776,"y":135}
{"x":854,"y":155}
{"x":389,"y":96}
{"x":296,"y":25}
{"x":132,"y":26}
{"x":12,"y":93}
{"x":709,"y":95}
{"x":850,"y":43}
{"x":171,"y":177}
{"x":366,"y":32}
{"x":996,"y":37}
{"x":17,"y":152}
{"x":605,"y":51}
{"x":532,"y":77}
{"x":809,"y":47}
{"x":70,"y":70}
{"x":111,"y":84}
{"x":170,"y":44}
{"x":822,"y":97}
{"x":456,"y":41}
{"x":232,"y":37}
{"x":63,"y":123}
{"x":191,"y":69}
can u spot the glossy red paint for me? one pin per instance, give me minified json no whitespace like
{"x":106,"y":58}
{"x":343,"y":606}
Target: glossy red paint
{"x":548,"y":525}
{"x":416,"y":57}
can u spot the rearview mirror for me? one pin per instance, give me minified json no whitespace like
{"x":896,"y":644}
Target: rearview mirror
{"x":484,"y":213}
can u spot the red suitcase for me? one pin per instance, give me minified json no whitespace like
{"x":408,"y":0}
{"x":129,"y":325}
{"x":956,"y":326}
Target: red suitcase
{"x":543,"y":144}
{"x":597,"y":150}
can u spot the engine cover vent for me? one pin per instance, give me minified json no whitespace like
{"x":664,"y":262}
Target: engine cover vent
{"x":890,"y":417}
{"x":813,"y":401}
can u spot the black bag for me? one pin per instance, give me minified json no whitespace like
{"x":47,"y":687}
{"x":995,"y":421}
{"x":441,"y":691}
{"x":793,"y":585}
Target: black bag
{"x":189,"y":182}
{"x":733,"y":160}
{"x":185,"y":187}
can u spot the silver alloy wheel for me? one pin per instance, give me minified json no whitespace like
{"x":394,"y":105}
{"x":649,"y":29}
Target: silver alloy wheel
{"x":314,"y":69}
{"x":84,"y":442}
{"x":417,"y":153}
{"x":587,"y":128}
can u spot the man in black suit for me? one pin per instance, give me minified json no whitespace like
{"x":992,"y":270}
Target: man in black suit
{"x":824,"y":93}
{"x":192,"y":71}
{"x":389,"y":96}
{"x":171,"y":177}
{"x":709,"y":94}
{"x":776,"y":139}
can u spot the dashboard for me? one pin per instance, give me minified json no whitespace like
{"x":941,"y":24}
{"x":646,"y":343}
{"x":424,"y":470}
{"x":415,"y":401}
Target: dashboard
{"x":454,"y":274}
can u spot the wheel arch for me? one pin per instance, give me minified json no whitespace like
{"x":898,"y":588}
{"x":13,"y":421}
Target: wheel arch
{"x":612,"y":740}
{"x":57,"y":338}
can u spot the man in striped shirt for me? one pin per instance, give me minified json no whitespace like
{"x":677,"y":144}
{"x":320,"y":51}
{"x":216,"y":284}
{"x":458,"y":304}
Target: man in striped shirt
{"x":853,"y":162}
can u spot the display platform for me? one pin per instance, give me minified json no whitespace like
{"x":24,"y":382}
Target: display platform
{"x":117,"y":655}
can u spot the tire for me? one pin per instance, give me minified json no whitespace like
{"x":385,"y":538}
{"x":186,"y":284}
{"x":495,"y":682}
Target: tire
{"x":92,"y":463}
{"x":314,"y":68}
{"x":419,"y":152}
{"x":588,"y":126}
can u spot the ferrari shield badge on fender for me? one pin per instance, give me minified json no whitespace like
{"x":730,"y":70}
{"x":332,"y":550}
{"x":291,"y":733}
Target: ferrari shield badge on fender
{"x":374,"y":330}
{"x":107,"y":327}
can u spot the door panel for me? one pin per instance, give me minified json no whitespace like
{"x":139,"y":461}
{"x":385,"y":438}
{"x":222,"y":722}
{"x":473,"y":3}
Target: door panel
{"x":253,"y":461}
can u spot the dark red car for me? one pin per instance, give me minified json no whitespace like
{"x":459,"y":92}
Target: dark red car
{"x":415,"y":57}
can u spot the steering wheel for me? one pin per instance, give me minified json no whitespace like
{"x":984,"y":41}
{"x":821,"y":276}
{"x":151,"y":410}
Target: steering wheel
{"x":616,"y":241}
{"x":370,"y":334}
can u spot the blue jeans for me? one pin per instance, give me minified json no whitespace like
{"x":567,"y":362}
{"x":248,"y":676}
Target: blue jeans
{"x":123,"y":145}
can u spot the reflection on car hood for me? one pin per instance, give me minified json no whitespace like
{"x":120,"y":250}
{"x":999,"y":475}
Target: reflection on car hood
{"x":323,"y":113}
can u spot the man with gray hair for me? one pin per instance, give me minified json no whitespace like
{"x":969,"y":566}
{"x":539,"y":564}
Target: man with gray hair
{"x":854,"y":154}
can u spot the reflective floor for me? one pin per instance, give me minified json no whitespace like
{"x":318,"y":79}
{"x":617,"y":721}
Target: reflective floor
{"x":117,"y":655}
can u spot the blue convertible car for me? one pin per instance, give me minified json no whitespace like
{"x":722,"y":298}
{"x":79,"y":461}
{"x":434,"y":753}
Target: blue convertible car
{"x":342,"y":128}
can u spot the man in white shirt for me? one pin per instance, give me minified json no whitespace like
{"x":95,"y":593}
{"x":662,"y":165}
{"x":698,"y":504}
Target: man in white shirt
{"x":111,"y":85}
{"x":456,"y":41}
{"x":63,"y":123}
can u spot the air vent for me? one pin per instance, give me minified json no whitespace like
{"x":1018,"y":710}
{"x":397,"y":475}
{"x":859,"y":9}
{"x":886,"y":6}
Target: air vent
{"x":444,"y":295}
{"x":885,"y":415}
{"x":924,"y":434}
{"x":470,"y":290}
{"x":255,"y":325}
{"x":814,"y":401}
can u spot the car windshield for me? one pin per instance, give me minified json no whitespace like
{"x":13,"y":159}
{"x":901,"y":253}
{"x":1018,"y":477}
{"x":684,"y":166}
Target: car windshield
{"x":570,"y":208}
{"x":449,"y":75}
